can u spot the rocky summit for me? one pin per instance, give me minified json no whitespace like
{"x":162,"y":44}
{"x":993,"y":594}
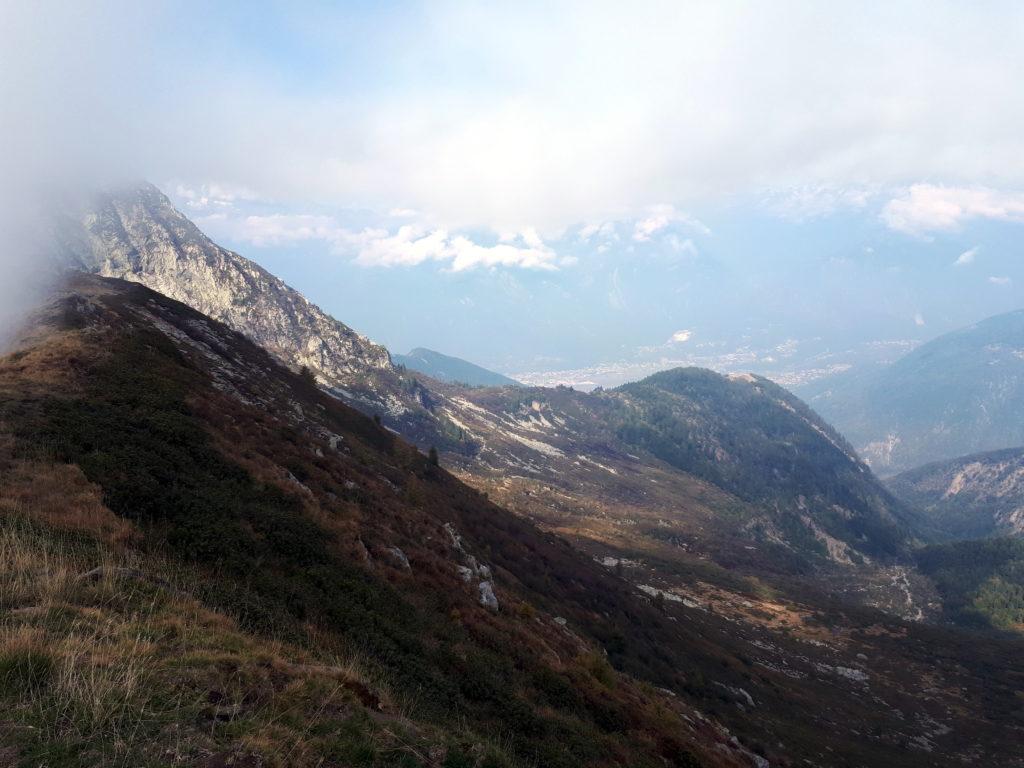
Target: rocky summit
{"x":138,"y":235}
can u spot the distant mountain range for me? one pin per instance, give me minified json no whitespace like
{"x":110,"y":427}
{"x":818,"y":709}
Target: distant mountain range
{"x":805,"y":496}
{"x":709,"y":535}
{"x":452,"y":369}
{"x":958,"y":394}
{"x":308,"y":584}
{"x":970,"y":497}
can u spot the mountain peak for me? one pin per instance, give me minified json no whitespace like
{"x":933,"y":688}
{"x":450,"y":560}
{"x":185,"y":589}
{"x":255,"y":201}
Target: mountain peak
{"x":135,"y":233}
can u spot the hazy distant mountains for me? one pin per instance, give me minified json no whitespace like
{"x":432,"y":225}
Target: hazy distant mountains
{"x":778,"y":477}
{"x":958,"y":394}
{"x":451,"y":369}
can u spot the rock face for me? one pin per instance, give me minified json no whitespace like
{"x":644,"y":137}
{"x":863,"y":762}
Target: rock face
{"x":138,"y":235}
{"x":487,"y":598}
{"x":970,"y":497}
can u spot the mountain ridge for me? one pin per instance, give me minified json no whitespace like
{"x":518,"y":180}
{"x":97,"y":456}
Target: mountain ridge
{"x":142,"y":237}
{"x":306,"y":521}
{"x":515,"y":434}
{"x":957,"y":394}
{"x":450,"y":369}
{"x":973,"y":496}
{"x":303,"y":521}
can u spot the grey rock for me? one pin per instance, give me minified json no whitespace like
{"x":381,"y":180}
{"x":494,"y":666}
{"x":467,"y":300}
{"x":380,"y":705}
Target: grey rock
{"x":399,"y":557}
{"x":138,"y":235}
{"x":487,"y":597}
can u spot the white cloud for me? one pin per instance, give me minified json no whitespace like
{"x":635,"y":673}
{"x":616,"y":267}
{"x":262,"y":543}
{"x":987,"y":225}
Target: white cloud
{"x":812,"y":201}
{"x":505,"y":116}
{"x":605,"y":230}
{"x":410,"y":245}
{"x":686,"y":247}
{"x":919,"y":320}
{"x":285,"y":229}
{"x":925,"y":208}
{"x":211,"y":195}
{"x":680,"y":337}
{"x":662,"y":216}
{"x":1000,"y":281}
{"x":967,"y":257}
{"x":616,"y":299}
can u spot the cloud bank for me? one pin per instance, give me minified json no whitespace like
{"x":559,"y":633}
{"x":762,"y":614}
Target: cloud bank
{"x":523,"y":115}
{"x":410,"y":245}
{"x":525,"y":118}
{"x":926,"y":208}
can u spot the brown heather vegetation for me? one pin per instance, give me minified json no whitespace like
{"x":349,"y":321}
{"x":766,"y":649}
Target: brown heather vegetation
{"x":250,"y":609}
{"x":119,"y":671}
{"x":244,"y":567}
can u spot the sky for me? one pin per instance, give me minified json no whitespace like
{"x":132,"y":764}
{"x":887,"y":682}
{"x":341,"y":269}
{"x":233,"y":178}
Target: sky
{"x":578,"y":191}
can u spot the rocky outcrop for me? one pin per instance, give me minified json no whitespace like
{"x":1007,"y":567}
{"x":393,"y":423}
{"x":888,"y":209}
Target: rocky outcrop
{"x":471,"y":569}
{"x":138,"y":235}
{"x":487,"y":597}
{"x":970,"y":497}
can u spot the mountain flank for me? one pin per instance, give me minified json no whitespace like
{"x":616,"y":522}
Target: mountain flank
{"x":240,"y":569}
{"x":791,"y":487}
{"x":452,"y":369}
{"x":152,"y":447}
{"x":970,"y":497}
{"x":959,"y":394}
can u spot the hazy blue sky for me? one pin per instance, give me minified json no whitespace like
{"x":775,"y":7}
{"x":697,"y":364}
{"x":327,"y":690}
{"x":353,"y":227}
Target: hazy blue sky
{"x":552,"y":186}
{"x":738,"y":276}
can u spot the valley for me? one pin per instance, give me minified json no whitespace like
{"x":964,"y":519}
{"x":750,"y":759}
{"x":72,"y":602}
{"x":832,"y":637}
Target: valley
{"x":707,"y":535}
{"x":306,"y":523}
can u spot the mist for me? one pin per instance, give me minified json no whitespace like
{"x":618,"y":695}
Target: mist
{"x":481,"y":118}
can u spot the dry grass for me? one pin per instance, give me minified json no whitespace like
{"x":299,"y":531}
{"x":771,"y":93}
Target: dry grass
{"x":80,"y":669}
{"x":61,"y":497}
{"x":53,"y":366}
{"x":123,"y":672}
{"x":32,"y":578}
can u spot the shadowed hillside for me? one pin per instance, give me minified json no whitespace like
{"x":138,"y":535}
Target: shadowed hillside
{"x":306,"y":586}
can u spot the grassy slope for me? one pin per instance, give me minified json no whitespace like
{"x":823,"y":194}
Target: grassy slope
{"x":278,"y":531}
{"x":450,"y":669}
{"x":121,"y":670}
{"x":757,"y":441}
